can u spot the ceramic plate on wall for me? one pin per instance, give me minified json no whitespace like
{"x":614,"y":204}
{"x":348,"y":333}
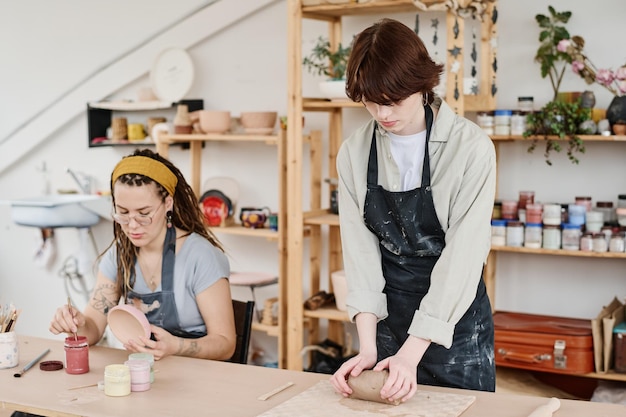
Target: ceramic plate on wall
{"x":172,"y":74}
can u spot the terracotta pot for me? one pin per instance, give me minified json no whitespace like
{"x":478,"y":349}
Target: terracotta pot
{"x":619,"y":129}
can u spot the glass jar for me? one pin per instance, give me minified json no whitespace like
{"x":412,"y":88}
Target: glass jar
{"x":606,"y":207}
{"x":576,"y":214}
{"x":551,"y":237}
{"x":621,"y":201}
{"x":509,"y":210}
{"x":570,"y":236}
{"x":586,"y":242}
{"x":525,"y":198}
{"x":584,"y":201}
{"x":617,"y":243}
{"x":139,"y":374}
{"x":147,"y":357}
{"x":518,"y":123}
{"x":552,"y":214}
{"x":599,"y":243}
{"x":502,"y":120}
{"x":533,"y":235}
{"x":116,"y":380}
{"x":594,"y":220}
{"x":498,"y":232}
{"x":485,"y":121}
{"x":76,"y":355}
{"x":534,"y":213}
{"x":526,"y":103}
{"x":515,"y":234}
{"x":621,"y":215}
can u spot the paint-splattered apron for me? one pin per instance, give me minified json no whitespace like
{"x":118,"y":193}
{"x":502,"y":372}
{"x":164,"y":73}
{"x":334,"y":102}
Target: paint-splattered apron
{"x":160,"y":307}
{"x":411,"y":240}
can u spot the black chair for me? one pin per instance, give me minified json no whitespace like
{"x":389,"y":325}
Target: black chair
{"x":244,"y":315}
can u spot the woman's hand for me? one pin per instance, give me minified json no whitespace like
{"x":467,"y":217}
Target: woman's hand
{"x":352,"y":367}
{"x":66,"y":320}
{"x":165,"y":344}
{"x":402,"y":381}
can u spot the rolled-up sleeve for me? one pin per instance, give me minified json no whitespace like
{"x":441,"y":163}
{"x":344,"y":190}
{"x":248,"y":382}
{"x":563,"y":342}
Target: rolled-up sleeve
{"x":361,"y":253}
{"x":463,"y":194}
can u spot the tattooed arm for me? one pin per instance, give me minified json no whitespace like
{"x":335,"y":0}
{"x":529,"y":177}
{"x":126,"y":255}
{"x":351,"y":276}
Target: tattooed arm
{"x":92,"y":322}
{"x":215,"y":306}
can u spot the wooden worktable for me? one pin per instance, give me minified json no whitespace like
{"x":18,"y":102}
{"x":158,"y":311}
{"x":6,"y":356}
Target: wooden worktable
{"x":185,"y":387}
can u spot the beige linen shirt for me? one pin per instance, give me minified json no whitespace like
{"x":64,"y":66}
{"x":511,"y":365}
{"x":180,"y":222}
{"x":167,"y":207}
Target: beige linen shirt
{"x":463,"y":178}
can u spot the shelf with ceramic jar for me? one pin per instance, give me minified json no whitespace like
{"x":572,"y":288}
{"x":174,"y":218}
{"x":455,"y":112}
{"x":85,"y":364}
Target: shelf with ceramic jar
{"x":130,"y":123}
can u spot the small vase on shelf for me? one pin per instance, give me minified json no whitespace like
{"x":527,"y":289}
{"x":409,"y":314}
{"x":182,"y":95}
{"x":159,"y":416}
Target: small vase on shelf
{"x":616,"y":112}
{"x":182,"y":121}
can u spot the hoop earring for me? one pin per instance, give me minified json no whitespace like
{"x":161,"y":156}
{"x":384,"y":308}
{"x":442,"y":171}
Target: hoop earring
{"x":168,"y":216}
{"x":425,"y":99}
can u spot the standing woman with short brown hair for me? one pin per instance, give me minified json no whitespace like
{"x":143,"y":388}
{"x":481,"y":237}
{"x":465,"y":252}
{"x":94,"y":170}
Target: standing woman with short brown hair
{"x":416,"y":192}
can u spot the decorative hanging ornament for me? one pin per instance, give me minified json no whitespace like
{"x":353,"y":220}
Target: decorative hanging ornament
{"x":434,"y":23}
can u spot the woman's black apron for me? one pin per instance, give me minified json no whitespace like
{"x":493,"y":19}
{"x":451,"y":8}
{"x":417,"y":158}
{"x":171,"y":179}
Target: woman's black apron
{"x":411,"y":240}
{"x":163,"y":312}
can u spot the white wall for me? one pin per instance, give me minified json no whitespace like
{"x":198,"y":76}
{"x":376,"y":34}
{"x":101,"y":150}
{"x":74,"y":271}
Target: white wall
{"x":244,"y":68}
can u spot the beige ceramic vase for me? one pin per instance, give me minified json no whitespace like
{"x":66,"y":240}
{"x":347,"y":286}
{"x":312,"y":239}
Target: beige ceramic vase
{"x":182,"y":121}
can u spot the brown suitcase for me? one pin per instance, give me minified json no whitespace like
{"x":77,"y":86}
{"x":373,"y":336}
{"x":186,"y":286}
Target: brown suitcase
{"x":543,"y":343}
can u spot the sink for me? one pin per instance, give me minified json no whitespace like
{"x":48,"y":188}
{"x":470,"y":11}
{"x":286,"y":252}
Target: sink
{"x":61,"y":210}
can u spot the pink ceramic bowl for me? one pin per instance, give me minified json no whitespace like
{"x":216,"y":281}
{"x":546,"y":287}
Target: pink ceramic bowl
{"x":128,"y":323}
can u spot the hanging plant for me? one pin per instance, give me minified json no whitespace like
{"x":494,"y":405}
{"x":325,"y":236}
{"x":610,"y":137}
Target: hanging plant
{"x":557,"y":121}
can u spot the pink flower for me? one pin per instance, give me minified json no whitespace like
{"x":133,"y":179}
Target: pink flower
{"x":620,"y":74}
{"x":563,"y":45}
{"x":622,"y":86}
{"x":605,"y":77}
{"x":577,"y":66}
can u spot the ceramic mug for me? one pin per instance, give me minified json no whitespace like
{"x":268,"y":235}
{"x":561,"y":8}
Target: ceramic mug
{"x":253,"y":217}
{"x":136,"y":131}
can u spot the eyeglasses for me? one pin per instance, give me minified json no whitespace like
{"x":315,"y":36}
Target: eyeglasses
{"x":141,"y":219}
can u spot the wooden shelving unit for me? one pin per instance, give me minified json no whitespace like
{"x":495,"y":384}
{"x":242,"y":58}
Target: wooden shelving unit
{"x":316,"y":223}
{"x":490,"y":269}
{"x":279,"y":237}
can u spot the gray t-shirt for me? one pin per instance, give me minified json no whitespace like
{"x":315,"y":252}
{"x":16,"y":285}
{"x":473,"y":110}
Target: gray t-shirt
{"x":198,"y":265}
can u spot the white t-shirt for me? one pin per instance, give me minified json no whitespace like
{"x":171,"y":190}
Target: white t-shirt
{"x":408,"y":152}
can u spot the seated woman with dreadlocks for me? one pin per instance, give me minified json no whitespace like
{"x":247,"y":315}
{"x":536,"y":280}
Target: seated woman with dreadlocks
{"x":163,"y":260}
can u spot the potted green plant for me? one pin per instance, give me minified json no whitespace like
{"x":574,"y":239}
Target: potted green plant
{"x":553,"y":61}
{"x":332,"y":63}
{"x":558,"y":120}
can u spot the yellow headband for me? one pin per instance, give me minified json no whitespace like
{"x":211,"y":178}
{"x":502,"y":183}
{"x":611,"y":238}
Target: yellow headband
{"x":149,"y":167}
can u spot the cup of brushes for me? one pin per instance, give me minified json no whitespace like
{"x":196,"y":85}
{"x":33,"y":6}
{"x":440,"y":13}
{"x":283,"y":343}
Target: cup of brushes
{"x":9,"y":353}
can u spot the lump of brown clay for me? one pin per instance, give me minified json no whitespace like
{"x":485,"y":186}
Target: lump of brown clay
{"x":367,"y":386}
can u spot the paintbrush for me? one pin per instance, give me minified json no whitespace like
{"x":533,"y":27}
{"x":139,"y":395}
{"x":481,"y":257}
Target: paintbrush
{"x":31,"y":363}
{"x":69,"y":306}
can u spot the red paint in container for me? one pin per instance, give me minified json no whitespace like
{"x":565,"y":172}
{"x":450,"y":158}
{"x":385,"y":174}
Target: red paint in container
{"x":76,"y":355}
